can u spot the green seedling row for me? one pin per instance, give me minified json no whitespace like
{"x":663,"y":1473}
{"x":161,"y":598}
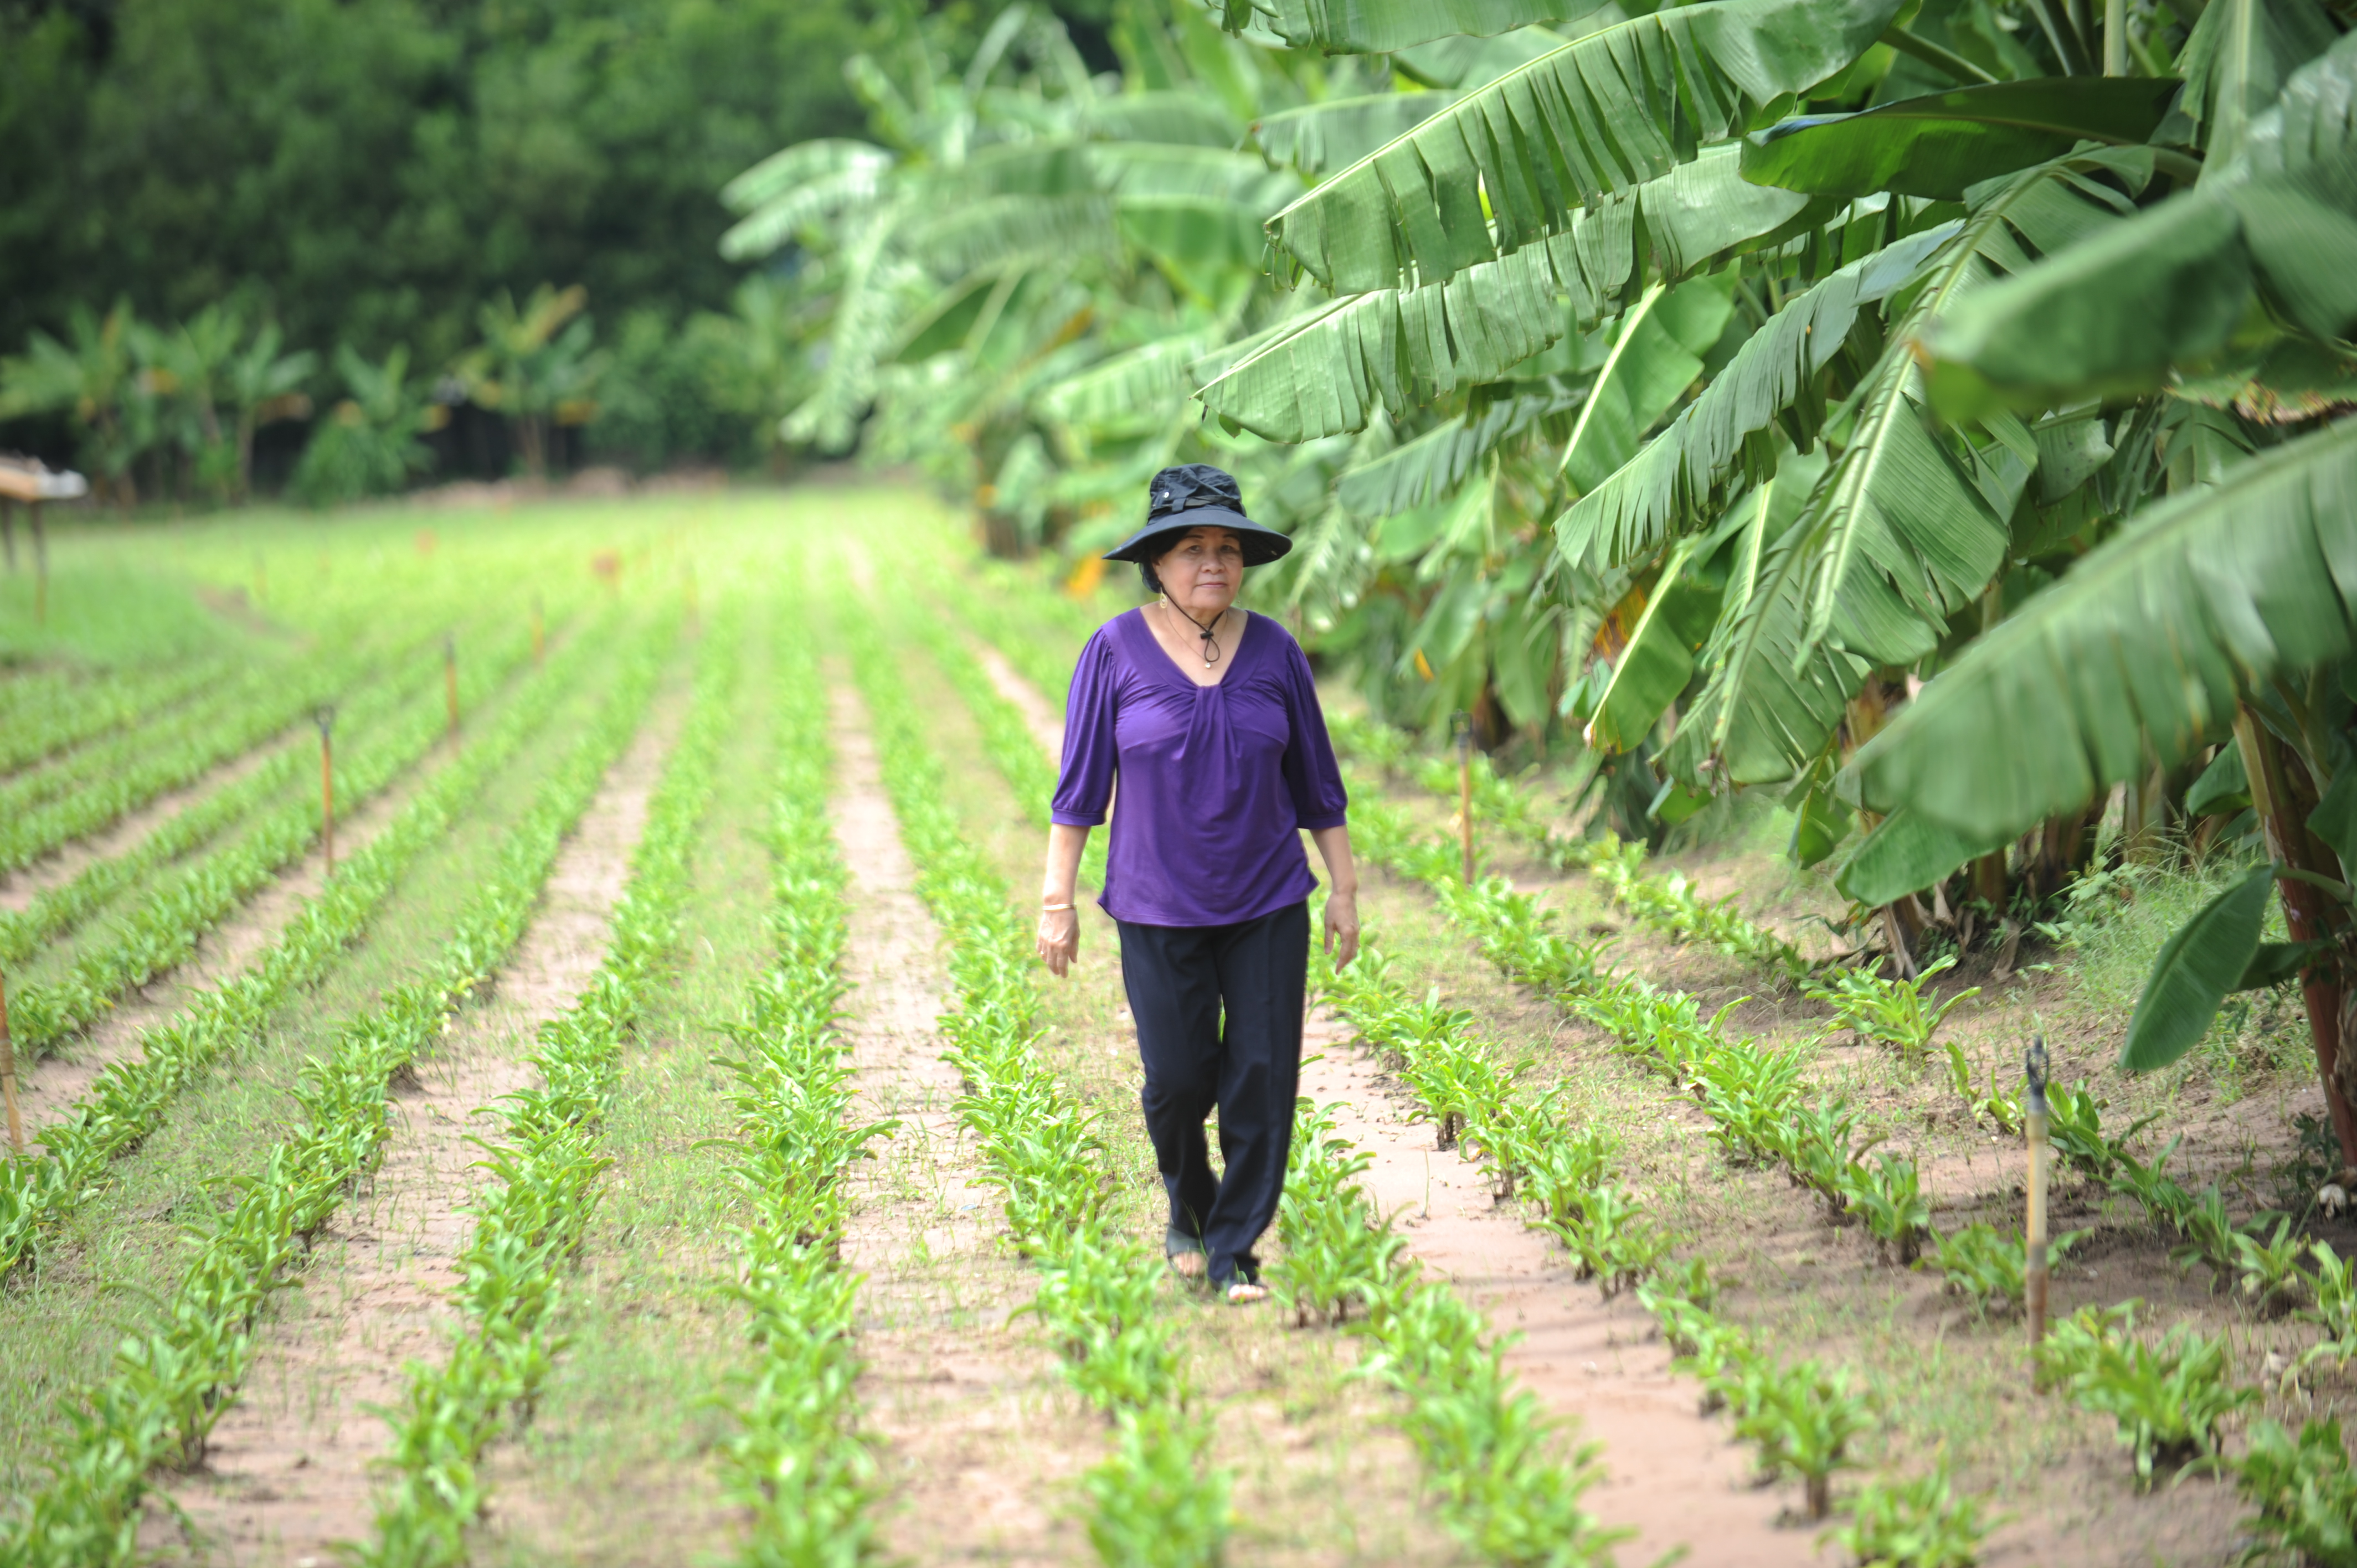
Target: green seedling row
{"x":130,"y":1099}
{"x":171,"y":1382}
{"x":1156,"y":1502}
{"x":1803,"y":1419}
{"x":1493,"y":1459}
{"x":56,"y":911}
{"x":45,"y":716}
{"x":547,"y":1162}
{"x":1006,"y":738}
{"x":93,"y":789}
{"x":1668,"y":904}
{"x":162,"y":930}
{"x":798,"y":1465}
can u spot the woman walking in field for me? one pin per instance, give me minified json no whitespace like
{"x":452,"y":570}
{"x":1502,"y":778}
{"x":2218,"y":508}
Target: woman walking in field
{"x":1208,"y":719}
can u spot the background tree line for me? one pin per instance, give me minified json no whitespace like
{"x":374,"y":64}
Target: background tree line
{"x":372,"y":174}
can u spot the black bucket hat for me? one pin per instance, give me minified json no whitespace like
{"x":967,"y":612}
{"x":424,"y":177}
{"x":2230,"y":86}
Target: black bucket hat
{"x":1197,"y":495}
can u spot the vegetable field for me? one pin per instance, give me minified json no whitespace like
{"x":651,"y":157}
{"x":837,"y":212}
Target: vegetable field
{"x":652,"y":1139}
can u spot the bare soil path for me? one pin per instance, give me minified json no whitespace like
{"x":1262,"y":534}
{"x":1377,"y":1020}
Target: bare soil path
{"x":1672,"y":1477}
{"x":979,"y":1434}
{"x":289,"y":1474}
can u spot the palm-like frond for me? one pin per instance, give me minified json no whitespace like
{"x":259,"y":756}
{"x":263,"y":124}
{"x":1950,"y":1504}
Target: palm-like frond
{"x":1380,"y":27}
{"x":1509,"y":164}
{"x":1672,"y":482}
{"x":1169,"y":116}
{"x":811,"y":182}
{"x":1423,"y":471}
{"x":1400,"y":349}
{"x":1001,"y":231}
{"x":1150,"y":379}
{"x":2138,"y":652}
{"x":1775,"y":697}
{"x":1911,"y":521}
{"x":1315,"y":137}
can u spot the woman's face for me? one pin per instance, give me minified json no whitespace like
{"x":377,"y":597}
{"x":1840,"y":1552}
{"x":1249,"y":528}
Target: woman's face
{"x":1202,"y":573}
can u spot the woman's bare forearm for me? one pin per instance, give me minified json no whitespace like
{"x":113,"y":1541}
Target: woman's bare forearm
{"x":1062,"y":876}
{"x":1334,"y":848}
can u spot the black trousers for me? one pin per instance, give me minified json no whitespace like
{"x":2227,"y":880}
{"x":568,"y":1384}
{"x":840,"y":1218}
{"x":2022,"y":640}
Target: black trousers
{"x":1218,"y":1022}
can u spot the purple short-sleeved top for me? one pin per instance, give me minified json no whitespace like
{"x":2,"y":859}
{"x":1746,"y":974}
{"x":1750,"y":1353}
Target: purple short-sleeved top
{"x":1215,"y":780}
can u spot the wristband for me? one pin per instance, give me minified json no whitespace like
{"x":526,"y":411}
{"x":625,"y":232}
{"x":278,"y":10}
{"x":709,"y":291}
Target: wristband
{"x":1053,"y":908}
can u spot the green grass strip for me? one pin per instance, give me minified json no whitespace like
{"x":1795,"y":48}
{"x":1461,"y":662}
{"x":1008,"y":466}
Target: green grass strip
{"x":45,"y":716}
{"x":171,"y":1383}
{"x":1156,"y":1500}
{"x":547,"y":1162}
{"x":798,"y":1465}
{"x":129,"y":1099}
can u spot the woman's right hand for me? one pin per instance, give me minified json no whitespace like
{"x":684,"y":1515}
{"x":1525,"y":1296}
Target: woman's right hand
{"x":1059,"y":940}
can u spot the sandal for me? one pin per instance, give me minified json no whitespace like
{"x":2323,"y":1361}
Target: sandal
{"x":1244,"y":1293}
{"x":1187,"y":1258}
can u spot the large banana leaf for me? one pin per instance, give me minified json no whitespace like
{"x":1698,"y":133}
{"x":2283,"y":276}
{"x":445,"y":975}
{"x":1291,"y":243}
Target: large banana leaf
{"x":1400,"y":349}
{"x":1380,"y":27}
{"x":1421,"y":471}
{"x":1655,"y":357}
{"x":1148,"y":379}
{"x":1659,"y":661}
{"x":2172,"y":286}
{"x":2137,"y":653}
{"x":1189,"y":119}
{"x":810,"y":182}
{"x":1316,"y":137}
{"x":1911,"y":521}
{"x":1945,"y":142}
{"x":2204,"y":960}
{"x":1773,"y":699}
{"x":1464,"y":62}
{"x":1674,"y":480}
{"x":1510,"y":164}
{"x":2237,"y":62}
{"x":1904,"y":852}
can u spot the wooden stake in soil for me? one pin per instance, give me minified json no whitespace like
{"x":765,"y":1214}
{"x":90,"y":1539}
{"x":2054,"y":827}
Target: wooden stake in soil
{"x":8,"y":529}
{"x":450,"y":679}
{"x":539,"y":634}
{"x":327,"y":787}
{"x":8,"y":1074}
{"x":1463,"y":724}
{"x":40,"y":566}
{"x":2034,"y":1119}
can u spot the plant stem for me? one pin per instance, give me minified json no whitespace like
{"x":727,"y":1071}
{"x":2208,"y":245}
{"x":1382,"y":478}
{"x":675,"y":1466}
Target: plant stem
{"x":1933,"y":54}
{"x":2306,"y":911}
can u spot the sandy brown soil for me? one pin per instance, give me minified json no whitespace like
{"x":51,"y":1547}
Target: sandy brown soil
{"x":980,"y":1436}
{"x":1673,"y":1477}
{"x":67,"y":861}
{"x":289,"y":1472}
{"x":1039,"y":713}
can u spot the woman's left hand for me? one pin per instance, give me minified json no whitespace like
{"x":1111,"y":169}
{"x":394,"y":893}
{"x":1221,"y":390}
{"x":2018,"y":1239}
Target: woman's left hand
{"x":1341,"y":928}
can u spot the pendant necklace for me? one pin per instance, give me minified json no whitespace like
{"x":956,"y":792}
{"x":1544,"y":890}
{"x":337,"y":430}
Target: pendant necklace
{"x":1210,"y":634}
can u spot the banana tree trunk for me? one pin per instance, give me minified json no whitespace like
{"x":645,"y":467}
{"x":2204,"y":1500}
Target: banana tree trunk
{"x":2306,"y":911}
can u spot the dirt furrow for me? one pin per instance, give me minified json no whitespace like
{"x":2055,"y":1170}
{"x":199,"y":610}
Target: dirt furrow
{"x":65,"y":863}
{"x":980,"y":1436}
{"x":1038,"y":713}
{"x":289,"y":1471}
{"x":52,"y":1084}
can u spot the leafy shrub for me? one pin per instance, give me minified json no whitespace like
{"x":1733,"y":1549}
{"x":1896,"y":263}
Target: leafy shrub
{"x":1922,"y":1523}
{"x":1989,"y":1270}
{"x":2305,"y":1493}
{"x":2169,"y":1399}
{"x":1890,"y":1011}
